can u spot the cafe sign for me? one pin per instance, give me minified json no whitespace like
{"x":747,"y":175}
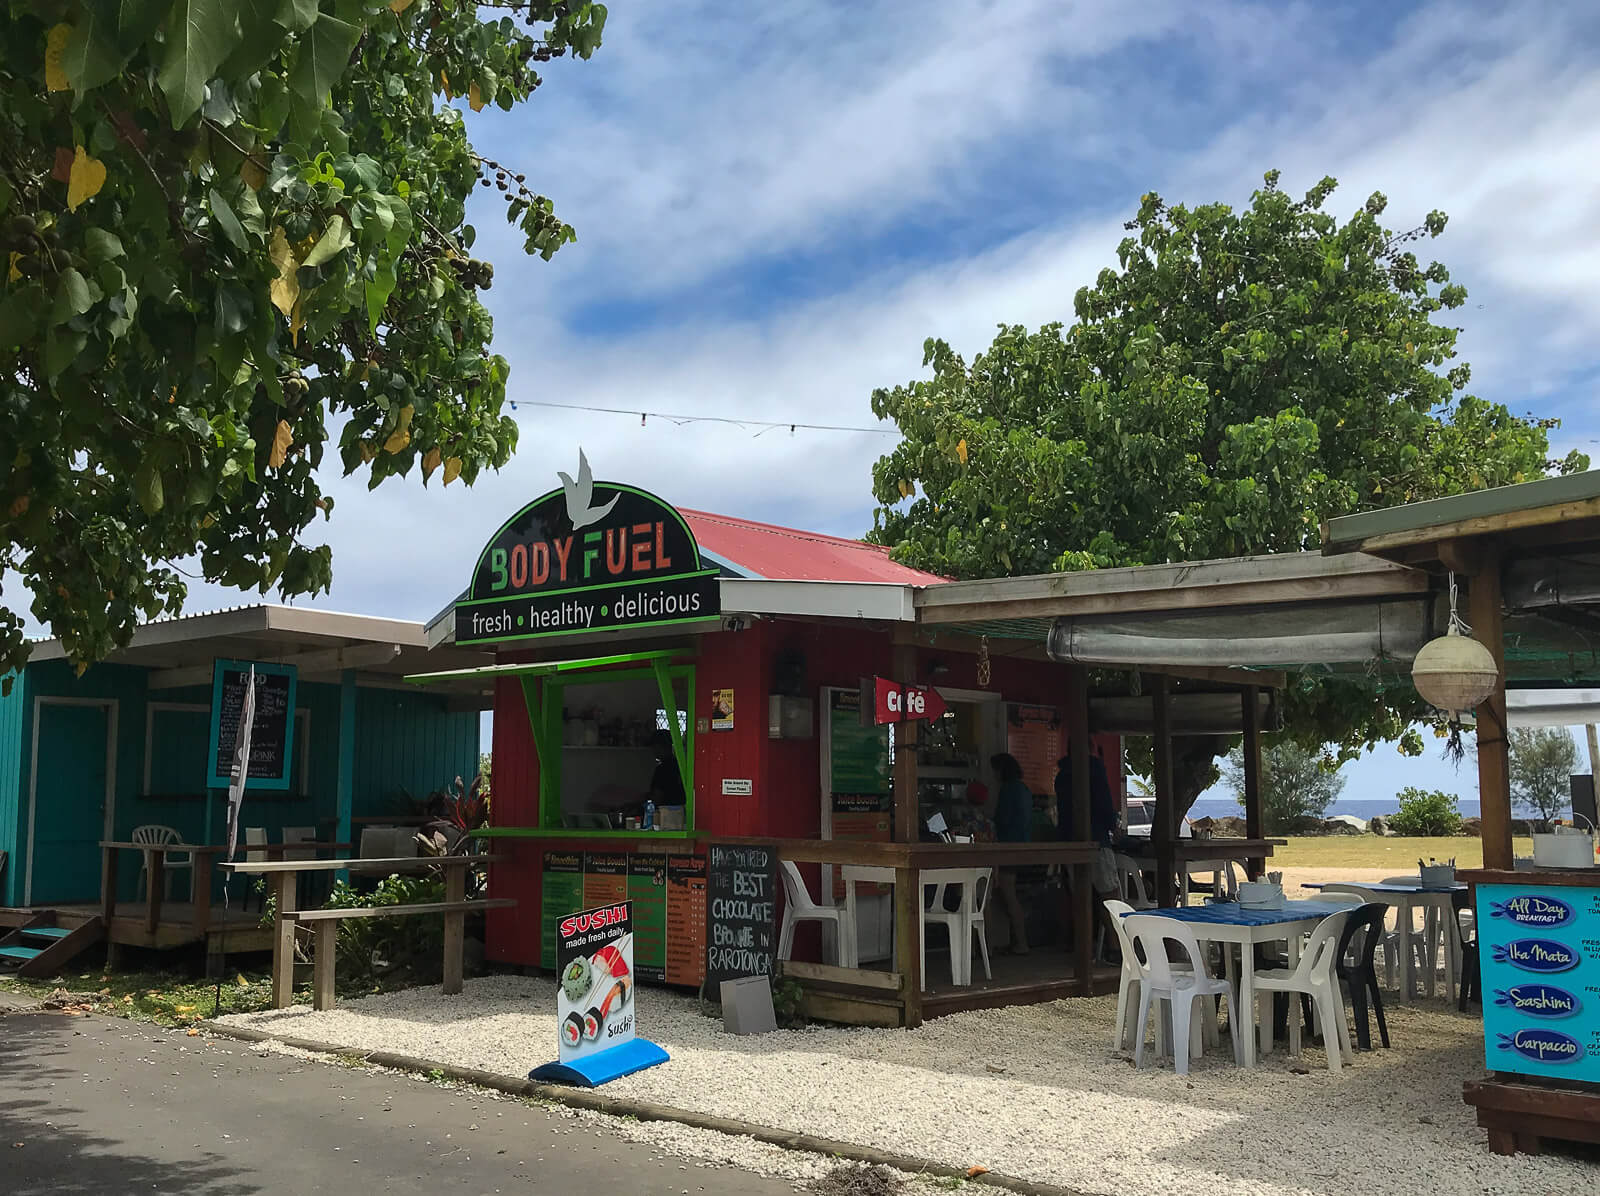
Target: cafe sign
{"x":590,"y":556}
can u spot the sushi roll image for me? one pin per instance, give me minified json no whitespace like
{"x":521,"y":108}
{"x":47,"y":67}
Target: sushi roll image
{"x":577,"y":979}
{"x":592,"y":1023}
{"x":572,"y":1030}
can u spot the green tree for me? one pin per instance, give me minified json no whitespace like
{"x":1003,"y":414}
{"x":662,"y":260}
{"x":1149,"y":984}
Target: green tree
{"x":1426,"y":812}
{"x":1543,"y":760}
{"x":230,"y":230}
{"x":1236,"y":378}
{"x":1297,"y":786}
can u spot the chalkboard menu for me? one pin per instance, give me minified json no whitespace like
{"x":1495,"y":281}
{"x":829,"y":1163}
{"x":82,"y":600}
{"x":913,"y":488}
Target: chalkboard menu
{"x":272,"y":734}
{"x":741,"y":912}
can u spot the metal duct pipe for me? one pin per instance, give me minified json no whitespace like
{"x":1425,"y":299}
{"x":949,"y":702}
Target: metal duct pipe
{"x":1545,"y":582}
{"x":1258,"y":637}
{"x":1187,"y":714}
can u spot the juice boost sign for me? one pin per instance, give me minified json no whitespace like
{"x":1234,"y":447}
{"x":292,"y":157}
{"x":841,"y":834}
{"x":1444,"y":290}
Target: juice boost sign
{"x":591,"y":556}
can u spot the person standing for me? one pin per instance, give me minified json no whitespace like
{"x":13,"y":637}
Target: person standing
{"x":1102,"y":829}
{"x":1013,"y":823}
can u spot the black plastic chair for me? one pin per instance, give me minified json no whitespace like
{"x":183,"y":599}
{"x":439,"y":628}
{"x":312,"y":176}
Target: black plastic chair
{"x":1359,"y":975}
{"x":1471,"y":975}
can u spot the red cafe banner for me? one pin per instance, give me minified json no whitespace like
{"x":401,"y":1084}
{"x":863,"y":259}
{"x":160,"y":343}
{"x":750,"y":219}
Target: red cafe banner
{"x":896,"y":702}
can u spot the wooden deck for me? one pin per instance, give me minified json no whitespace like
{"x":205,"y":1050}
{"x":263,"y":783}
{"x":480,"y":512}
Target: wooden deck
{"x":228,"y":931}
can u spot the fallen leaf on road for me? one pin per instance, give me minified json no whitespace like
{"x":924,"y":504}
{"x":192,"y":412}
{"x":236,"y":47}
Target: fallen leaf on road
{"x":193,"y":1033}
{"x":974,"y":1172}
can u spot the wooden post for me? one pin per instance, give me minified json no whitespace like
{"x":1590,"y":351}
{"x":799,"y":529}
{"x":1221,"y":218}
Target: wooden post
{"x":155,"y":886}
{"x":908,"y":941}
{"x":455,"y":927}
{"x":1487,"y":616}
{"x":1254,"y":827}
{"x":283,"y":940}
{"x":200,"y":886}
{"x":345,"y":787}
{"x":1082,"y":824}
{"x":322,"y":991}
{"x":1164,"y":831}
{"x":108,"y":885}
{"x":906,"y":822}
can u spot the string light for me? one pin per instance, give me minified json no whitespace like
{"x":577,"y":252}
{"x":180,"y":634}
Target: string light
{"x":765,"y":425}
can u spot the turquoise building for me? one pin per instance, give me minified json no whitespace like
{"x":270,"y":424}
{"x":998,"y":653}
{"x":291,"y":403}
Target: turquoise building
{"x":91,"y":758}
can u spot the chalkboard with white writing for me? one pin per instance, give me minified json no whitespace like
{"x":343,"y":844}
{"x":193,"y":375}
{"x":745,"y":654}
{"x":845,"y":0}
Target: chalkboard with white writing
{"x":741,"y":912}
{"x":271,"y":737}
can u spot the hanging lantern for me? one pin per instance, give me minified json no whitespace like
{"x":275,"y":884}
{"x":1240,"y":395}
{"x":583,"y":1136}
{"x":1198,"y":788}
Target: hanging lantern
{"x":1455,"y":672}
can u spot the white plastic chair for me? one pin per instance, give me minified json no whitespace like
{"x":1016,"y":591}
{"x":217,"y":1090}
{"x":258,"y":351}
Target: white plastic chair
{"x":961,"y":924}
{"x":1130,"y":883}
{"x":1314,"y":977}
{"x":255,"y":836}
{"x":798,"y":907}
{"x":1161,"y":980}
{"x":300,"y":834}
{"x":156,"y":834}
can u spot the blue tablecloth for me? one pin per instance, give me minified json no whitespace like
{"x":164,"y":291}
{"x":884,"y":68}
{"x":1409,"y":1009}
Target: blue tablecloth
{"x":1231,"y":913}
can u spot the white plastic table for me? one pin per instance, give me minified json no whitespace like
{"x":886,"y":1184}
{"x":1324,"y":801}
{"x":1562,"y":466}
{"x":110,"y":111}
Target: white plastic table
{"x":1404,"y":895}
{"x":1231,"y":924}
{"x":965,"y":879}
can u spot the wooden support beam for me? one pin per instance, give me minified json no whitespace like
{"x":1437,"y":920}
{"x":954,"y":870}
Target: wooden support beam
{"x":344,"y":792}
{"x":906,"y":738}
{"x":1082,"y":875}
{"x":322,"y":988}
{"x":1253,"y":823}
{"x":455,"y":924}
{"x":1486,"y":613}
{"x":1164,"y":832}
{"x":908,"y":941}
{"x":286,"y":889}
{"x":108,"y":885}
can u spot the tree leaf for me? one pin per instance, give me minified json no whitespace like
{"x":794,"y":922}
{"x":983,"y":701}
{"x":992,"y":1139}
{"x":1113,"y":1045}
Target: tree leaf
{"x":475,"y":98}
{"x":452,"y":469}
{"x":102,"y":245}
{"x":321,"y":57}
{"x":333,"y":241}
{"x":200,"y":34}
{"x":55,"y":45}
{"x":401,"y":436}
{"x":74,"y":298}
{"x":430,"y":462}
{"x":102,"y":44}
{"x":399,"y":6}
{"x":285,"y":289}
{"x":147,"y":487}
{"x":85,"y":178}
{"x":223,"y":213}
{"x":961,"y":450}
{"x":297,"y":15}
{"x":281,"y":440}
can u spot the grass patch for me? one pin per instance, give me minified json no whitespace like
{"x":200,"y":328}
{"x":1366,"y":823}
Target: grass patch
{"x":165,"y":998}
{"x":1398,"y":854}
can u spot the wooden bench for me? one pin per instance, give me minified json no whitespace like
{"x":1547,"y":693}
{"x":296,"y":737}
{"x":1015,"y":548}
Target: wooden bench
{"x":326,"y":924}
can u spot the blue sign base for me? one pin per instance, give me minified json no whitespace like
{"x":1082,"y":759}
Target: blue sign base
{"x":593,"y":1070}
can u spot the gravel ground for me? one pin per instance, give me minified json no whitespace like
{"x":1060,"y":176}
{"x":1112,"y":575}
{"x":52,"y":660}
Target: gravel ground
{"x":1035,"y":1091}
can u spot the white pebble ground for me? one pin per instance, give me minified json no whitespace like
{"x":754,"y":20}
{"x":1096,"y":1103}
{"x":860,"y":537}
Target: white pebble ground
{"x":1033,"y":1091}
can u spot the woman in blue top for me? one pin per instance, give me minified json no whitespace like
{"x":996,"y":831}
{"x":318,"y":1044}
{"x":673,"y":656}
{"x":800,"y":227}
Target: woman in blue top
{"x":1013,"y":823}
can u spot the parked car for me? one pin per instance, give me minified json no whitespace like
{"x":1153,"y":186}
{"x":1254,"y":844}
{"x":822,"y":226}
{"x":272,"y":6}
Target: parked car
{"x":1141,"y":815}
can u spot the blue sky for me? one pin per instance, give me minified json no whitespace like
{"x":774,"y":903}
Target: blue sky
{"x":777,"y":203}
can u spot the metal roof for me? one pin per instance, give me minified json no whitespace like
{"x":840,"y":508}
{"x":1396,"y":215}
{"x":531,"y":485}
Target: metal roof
{"x":766,"y":552}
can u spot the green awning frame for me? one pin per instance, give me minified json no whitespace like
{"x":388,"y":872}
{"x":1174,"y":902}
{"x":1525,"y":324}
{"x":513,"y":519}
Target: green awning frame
{"x":544,"y":715}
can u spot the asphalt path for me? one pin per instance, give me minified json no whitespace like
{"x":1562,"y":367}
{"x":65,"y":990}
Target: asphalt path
{"x":92,"y":1105}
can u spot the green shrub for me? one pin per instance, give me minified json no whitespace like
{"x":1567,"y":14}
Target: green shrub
{"x":371,"y":949}
{"x":1426,"y":813}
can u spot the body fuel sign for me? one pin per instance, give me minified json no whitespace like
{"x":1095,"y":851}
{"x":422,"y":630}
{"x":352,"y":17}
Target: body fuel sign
{"x":591,"y":556}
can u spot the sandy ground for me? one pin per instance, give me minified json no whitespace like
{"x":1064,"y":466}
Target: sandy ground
{"x":1035,"y":1091}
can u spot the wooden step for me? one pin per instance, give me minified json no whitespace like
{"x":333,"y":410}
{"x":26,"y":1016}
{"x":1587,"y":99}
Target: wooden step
{"x":23,"y":953}
{"x":46,"y":932}
{"x":61,"y":943}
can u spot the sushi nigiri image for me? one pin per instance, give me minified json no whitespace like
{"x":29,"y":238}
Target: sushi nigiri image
{"x":613,"y":986}
{"x":572,"y":1030}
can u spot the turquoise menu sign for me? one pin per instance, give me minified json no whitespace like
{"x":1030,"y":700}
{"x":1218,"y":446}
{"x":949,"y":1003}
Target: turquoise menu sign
{"x":1539,"y":948}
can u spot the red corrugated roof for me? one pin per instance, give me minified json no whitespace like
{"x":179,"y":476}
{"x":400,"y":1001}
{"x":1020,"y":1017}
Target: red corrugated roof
{"x":789,"y":554}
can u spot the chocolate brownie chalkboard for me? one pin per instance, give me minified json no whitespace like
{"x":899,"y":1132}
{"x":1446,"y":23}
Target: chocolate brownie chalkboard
{"x":741,"y":912}
{"x":272,"y":730}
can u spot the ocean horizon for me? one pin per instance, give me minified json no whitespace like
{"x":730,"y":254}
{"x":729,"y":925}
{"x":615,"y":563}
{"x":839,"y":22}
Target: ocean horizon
{"x":1364,"y":808}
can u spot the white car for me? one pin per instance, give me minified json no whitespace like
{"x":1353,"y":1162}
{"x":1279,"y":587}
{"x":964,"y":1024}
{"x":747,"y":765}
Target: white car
{"x":1141,"y":815}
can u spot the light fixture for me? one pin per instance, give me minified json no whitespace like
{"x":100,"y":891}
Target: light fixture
{"x":1455,"y":672}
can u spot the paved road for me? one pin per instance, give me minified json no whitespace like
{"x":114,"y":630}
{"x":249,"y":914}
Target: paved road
{"x":92,"y":1105}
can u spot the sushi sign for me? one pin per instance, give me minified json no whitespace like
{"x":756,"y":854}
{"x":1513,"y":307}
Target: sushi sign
{"x":594,"y":1001}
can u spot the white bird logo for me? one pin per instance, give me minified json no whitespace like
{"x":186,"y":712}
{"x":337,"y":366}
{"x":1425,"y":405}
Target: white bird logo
{"x":580,"y":496}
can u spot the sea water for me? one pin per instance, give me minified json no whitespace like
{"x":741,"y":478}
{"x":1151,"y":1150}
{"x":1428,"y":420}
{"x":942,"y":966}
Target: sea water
{"x":1363,"y":808}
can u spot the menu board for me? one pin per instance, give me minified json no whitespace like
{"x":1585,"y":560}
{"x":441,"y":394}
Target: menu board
{"x":741,"y":912}
{"x":1539,"y":953}
{"x":605,"y":878}
{"x":858,"y":756}
{"x":1034,"y":736}
{"x":647,"y":890}
{"x":562,"y":894}
{"x":272,"y":728}
{"x":686,"y":919}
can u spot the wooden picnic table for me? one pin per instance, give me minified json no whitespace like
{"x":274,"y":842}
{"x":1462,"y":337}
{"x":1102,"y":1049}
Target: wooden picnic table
{"x":203,"y":855}
{"x":284,"y":876}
